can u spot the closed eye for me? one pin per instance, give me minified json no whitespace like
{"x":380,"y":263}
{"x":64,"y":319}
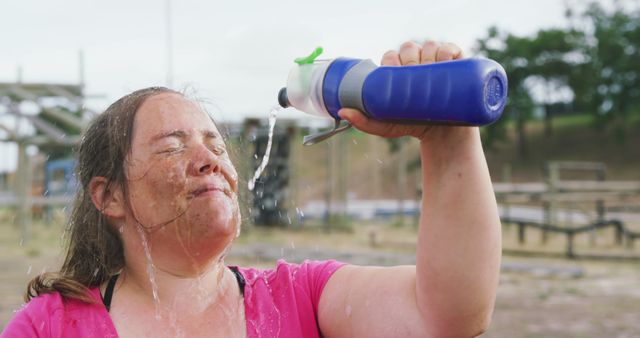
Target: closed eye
{"x":171,"y":150}
{"x":218,"y":149}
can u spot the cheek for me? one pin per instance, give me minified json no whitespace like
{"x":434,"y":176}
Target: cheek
{"x":159,"y":188}
{"x":230,"y":171}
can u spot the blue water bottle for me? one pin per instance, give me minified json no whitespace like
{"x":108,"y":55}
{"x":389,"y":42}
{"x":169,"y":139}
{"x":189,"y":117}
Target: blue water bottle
{"x":469,"y":92}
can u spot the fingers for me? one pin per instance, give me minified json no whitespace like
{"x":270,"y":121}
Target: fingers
{"x":361,"y":122}
{"x":410,"y":53}
{"x":448,"y":51}
{"x":429,"y":51}
{"x":391,"y":58}
{"x":374,"y":127}
{"x":435,"y":52}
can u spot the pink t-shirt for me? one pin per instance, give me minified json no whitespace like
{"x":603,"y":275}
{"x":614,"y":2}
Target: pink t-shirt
{"x":280,"y":302}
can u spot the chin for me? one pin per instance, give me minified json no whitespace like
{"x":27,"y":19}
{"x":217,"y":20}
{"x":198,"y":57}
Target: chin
{"x":220,"y":222}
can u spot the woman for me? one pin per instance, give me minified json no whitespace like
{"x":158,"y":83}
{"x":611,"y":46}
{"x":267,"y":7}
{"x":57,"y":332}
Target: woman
{"x":158,"y":209}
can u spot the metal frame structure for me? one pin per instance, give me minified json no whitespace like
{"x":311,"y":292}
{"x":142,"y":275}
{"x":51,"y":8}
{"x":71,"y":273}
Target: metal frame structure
{"x":46,"y":122}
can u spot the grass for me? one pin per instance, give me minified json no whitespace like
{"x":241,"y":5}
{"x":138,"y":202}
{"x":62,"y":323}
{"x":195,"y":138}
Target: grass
{"x":573,"y":138}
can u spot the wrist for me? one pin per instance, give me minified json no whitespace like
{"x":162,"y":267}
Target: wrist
{"x":448,"y":135}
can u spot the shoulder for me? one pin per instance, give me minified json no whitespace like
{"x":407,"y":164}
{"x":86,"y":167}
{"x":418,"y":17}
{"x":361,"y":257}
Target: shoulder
{"x":49,"y":315}
{"x":308,"y":269}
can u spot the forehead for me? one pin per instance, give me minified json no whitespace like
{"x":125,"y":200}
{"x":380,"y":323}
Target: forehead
{"x":169,"y":111}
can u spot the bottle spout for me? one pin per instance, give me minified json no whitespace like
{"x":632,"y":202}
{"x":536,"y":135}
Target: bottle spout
{"x":283,"y":99}
{"x":319,"y":137}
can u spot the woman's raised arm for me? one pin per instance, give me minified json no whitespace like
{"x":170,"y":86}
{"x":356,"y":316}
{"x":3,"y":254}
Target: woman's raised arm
{"x":451,"y":290}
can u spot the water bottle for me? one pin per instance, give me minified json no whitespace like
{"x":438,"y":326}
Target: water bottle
{"x":469,"y":92}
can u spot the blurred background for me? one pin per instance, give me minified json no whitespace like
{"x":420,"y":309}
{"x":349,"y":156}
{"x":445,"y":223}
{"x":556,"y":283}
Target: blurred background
{"x":564,"y":159}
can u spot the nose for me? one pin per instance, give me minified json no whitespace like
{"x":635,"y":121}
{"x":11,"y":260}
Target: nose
{"x":204,"y":161}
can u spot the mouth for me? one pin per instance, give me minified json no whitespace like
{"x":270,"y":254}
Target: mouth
{"x":210,"y":190}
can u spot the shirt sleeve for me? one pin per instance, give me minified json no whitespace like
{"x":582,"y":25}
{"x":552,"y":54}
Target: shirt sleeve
{"x":32,"y":320}
{"x":317,"y":274}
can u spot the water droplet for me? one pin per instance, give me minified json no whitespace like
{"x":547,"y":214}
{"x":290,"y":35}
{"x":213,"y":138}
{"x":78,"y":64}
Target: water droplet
{"x":354,"y":141}
{"x":379,"y":160}
{"x":29,"y":270}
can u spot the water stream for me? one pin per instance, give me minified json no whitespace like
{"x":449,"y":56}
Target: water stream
{"x":273,"y":114}
{"x":151,"y":271}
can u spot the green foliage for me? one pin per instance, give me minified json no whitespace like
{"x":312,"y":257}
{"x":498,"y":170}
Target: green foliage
{"x":596,"y":57}
{"x":611,"y":79}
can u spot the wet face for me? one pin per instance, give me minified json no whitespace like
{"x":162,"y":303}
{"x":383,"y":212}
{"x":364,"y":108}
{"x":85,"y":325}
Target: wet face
{"x":182,"y":185}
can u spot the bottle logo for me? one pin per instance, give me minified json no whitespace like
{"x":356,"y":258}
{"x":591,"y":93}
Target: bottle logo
{"x":494,"y":92}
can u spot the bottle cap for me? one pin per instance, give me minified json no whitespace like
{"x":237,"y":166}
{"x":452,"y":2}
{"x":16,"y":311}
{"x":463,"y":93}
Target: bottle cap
{"x":283,"y":99}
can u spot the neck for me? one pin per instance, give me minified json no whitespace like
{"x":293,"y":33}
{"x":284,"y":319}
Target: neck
{"x":176,"y":292}
{"x":173,"y":277}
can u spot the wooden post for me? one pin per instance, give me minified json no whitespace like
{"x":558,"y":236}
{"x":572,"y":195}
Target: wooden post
{"x":342,"y":154}
{"x":23,"y":192}
{"x":375,"y":151}
{"x":619,"y":233}
{"x":329,"y":192}
{"x":521,"y":233}
{"x":402,"y":181}
{"x":81,"y":79}
{"x":600,"y":208}
{"x":570,"y":253}
{"x":416,"y":219}
{"x":295,"y":158}
{"x":552,"y":177}
{"x":506,"y":178}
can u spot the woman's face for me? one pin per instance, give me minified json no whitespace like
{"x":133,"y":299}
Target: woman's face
{"x":182,"y":186}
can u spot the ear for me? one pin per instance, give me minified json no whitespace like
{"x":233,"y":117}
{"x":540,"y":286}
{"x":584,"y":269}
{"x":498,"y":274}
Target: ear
{"x":108,"y":199}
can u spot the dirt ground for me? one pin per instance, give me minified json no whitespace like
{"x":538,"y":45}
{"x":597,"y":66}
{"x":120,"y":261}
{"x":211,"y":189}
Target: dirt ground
{"x":537,"y":297}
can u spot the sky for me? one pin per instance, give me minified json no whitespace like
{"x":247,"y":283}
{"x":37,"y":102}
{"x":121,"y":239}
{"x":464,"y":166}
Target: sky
{"x":235,"y":55}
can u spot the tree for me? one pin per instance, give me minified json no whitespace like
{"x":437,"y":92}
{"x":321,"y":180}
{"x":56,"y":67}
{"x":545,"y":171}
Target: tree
{"x":554,"y":53}
{"x":609,"y":83}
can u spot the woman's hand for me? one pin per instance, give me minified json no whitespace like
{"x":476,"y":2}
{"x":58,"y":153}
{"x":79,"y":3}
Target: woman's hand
{"x":410,"y":53}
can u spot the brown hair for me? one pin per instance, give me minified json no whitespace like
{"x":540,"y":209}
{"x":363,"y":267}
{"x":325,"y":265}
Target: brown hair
{"x":94,"y":249}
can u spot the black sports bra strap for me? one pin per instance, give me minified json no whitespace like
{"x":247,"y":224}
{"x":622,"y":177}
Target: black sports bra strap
{"x":239,"y":277}
{"x":108,"y":292}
